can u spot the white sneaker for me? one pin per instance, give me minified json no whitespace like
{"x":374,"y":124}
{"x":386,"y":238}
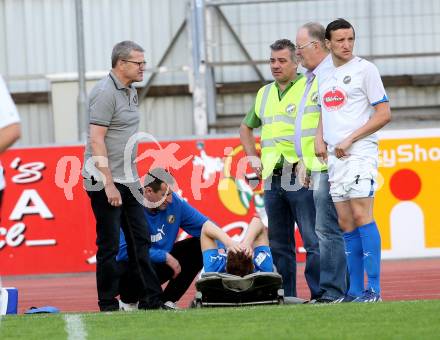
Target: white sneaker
{"x":128,"y":307}
{"x":169,"y":305}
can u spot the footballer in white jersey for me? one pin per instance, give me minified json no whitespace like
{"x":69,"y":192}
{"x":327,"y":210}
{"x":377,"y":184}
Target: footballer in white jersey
{"x":354,"y":106}
{"x":348,"y":95}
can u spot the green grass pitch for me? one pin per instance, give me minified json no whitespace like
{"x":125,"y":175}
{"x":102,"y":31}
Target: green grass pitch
{"x":388,"y":320}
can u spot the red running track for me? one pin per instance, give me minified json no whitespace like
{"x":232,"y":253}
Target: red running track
{"x":401,"y":280}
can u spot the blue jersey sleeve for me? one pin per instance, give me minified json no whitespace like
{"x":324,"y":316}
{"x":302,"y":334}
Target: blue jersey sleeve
{"x":213,"y":261}
{"x":192,"y":220}
{"x":122,"y":254}
{"x":263,"y":260}
{"x":158,"y":255}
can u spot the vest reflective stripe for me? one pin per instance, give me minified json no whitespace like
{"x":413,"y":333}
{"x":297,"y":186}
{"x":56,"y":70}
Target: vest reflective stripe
{"x":312,"y":109}
{"x":309,"y":126}
{"x":267,"y":143}
{"x":309,"y":132}
{"x":276,"y":119}
{"x":272,"y":141}
{"x":264,"y":99}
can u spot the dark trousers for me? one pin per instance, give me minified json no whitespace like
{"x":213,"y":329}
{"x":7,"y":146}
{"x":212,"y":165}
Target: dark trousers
{"x":189,"y":255}
{"x":109,"y":220}
{"x":287,"y":202}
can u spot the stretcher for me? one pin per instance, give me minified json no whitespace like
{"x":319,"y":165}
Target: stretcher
{"x":222,"y":290}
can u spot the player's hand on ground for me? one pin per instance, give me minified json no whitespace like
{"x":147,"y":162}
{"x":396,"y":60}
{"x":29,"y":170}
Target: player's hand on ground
{"x":172,"y":262}
{"x":321,"y":150}
{"x":341,"y":150}
{"x":113,"y":195}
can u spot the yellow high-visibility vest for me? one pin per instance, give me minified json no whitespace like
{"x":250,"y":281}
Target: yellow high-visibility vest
{"x":309,"y":121}
{"x":279,"y":129}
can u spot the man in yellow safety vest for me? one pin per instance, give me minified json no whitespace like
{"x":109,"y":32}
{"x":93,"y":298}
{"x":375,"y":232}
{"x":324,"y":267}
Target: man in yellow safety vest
{"x":288,"y":199}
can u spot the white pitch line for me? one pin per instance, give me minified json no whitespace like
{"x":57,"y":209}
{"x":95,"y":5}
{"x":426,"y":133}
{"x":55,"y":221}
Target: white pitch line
{"x":75,"y":327}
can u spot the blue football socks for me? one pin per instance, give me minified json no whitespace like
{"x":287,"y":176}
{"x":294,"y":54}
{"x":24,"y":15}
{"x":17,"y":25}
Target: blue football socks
{"x":371,"y":245}
{"x":355,"y":262}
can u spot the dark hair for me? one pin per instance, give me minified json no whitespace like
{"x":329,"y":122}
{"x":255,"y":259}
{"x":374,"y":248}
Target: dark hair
{"x":337,"y":25}
{"x":239,"y":264}
{"x":123,"y":49}
{"x":316,"y":32}
{"x":283,"y":44}
{"x":156,"y":177}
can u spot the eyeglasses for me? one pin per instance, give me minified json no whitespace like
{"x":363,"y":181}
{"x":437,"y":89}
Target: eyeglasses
{"x":138,"y":63}
{"x":305,"y":45}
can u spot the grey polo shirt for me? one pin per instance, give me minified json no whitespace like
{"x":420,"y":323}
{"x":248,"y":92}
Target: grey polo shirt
{"x":115,"y":106}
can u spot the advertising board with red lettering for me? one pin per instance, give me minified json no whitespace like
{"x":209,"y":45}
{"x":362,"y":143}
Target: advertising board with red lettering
{"x":47,"y":225}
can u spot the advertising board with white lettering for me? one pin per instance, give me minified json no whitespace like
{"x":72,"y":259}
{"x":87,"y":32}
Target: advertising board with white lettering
{"x":47,"y":225}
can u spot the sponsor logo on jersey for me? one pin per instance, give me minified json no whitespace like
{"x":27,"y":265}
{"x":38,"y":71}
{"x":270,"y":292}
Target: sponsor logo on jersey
{"x":347,"y":80}
{"x":334,"y":99}
{"x":158,"y":236}
{"x":261,"y":257}
{"x":314,"y":97}
{"x":215,"y":258}
{"x":160,"y":230}
{"x":171,"y":219}
{"x":290,"y":108}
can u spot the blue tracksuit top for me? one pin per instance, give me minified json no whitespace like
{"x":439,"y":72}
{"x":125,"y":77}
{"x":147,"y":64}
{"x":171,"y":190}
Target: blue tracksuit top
{"x":164,"y":227}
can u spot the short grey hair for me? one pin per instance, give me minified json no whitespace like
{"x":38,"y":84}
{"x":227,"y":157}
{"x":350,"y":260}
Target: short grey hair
{"x":282,"y":44}
{"x":123,"y":49}
{"x":316,"y":32}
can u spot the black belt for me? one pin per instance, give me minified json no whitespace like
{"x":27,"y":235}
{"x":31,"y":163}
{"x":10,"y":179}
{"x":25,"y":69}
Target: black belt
{"x":279,"y":171}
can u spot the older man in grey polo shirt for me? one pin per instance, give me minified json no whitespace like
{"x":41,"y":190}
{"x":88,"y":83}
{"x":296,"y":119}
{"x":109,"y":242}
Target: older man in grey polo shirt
{"x":114,"y":118}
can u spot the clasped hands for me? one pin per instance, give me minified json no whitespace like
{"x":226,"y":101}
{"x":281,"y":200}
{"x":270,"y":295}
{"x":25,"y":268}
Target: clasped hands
{"x":237,"y":247}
